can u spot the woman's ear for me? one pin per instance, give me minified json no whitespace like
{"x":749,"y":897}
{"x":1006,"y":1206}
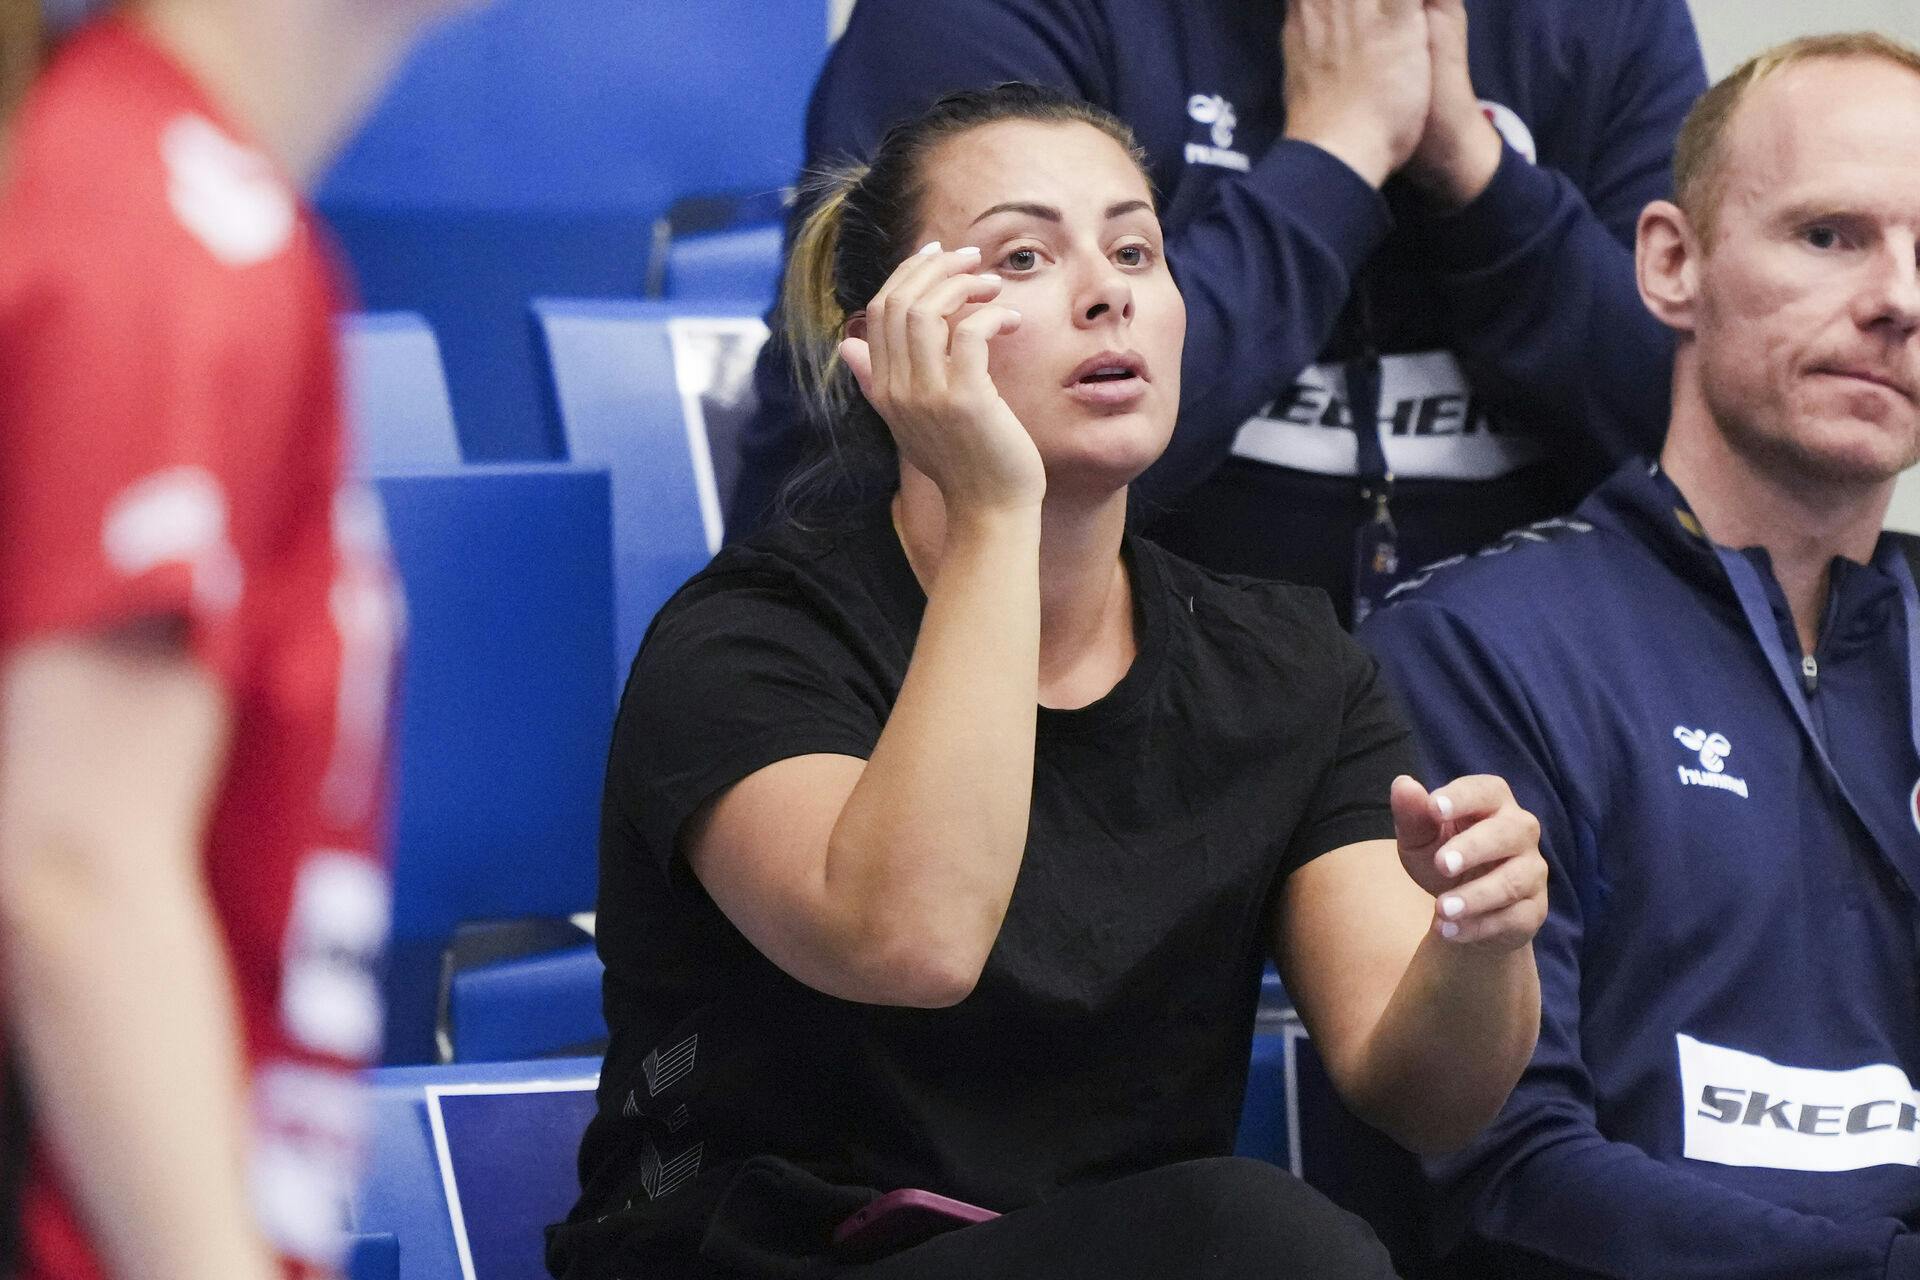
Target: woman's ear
{"x":1667,"y":255}
{"x":856,"y":354}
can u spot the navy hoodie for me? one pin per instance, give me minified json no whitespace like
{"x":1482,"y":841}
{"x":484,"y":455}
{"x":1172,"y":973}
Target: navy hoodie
{"x":1503,"y":324}
{"x":1729,"y":974}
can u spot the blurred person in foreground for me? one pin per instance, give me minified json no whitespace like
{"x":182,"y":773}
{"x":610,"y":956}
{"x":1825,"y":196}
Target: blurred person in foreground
{"x":1367,"y":201}
{"x":947,"y":827}
{"x":196,"y":631}
{"x":1704,"y":684}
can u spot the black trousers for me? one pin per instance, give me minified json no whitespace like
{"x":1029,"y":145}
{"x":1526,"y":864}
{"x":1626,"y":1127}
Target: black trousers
{"x":1222,"y":1219}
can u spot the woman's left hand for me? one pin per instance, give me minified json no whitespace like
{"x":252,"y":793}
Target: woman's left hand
{"x":1473,"y":847}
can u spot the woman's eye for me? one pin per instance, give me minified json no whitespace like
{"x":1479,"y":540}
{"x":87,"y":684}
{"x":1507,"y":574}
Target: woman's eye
{"x":1023,"y":259}
{"x":1821,"y":237}
{"x":1131,"y":255}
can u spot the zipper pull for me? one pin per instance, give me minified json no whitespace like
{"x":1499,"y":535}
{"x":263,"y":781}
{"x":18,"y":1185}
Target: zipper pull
{"x":1810,"y":673}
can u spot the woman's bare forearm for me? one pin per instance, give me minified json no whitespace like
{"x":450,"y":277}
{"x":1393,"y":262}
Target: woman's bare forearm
{"x":101,"y":974}
{"x":928,"y":846}
{"x":109,"y":750}
{"x":1450,"y":1044}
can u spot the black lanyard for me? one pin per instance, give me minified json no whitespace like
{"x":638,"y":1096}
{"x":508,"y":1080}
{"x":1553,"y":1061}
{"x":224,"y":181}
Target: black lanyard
{"x":1376,"y":544}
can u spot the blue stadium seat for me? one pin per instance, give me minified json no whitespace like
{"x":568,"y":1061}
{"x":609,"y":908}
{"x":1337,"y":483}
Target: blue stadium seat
{"x":397,"y":393}
{"x":508,"y":1132}
{"x":506,"y":706}
{"x":629,"y":380}
{"x":528,"y":149}
{"x":529,"y":999}
{"x":1292,"y":1117}
{"x":741,"y":266}
{"x":724,"y":248}
{"x":1264,"y":1129}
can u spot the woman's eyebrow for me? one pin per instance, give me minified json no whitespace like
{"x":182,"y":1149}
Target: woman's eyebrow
{"x":1048,"y":213}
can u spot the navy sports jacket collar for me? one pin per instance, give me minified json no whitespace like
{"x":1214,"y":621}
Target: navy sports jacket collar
{"x":1864,"y":600}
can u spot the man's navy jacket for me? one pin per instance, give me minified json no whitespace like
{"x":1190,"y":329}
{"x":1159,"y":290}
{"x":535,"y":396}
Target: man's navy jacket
{"x":1730,"y":985}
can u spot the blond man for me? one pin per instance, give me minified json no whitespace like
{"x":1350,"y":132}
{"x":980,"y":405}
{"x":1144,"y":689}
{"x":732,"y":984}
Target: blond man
{"x":1704,"y":684}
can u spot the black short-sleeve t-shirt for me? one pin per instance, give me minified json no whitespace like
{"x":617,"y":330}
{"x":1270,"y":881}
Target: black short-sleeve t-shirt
{"x":1110,"y":1029}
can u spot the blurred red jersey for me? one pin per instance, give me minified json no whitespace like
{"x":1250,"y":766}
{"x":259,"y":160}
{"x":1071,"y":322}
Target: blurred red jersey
{"x":171,"y":447}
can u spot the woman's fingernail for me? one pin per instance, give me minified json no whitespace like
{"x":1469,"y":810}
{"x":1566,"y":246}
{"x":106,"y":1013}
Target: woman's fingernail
{"x":1449,"y":930}
{"x":1452,"y":861}
{"x":1452,"y":905}
{"x":1013,"y":313}
{"x":1444,"y":805}
{"x":990,"y":278}
{"x":930,"y":247}
{"x":968,"y":252}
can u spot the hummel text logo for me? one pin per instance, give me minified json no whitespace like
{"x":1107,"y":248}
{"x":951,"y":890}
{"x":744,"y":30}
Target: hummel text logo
{"x":1218,"y":114}
{"x":1211,"y":108}
{"x":1712,"y":748}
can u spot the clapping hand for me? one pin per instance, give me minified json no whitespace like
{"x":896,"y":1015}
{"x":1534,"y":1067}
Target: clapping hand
{"x":1384,"y":86}
{"x":1359,"y":80}
{"x":1459,"y":149}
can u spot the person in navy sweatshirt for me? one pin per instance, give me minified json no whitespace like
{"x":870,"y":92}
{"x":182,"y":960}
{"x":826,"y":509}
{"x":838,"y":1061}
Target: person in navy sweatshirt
{"x":1705,"y":685}
{"x":1483,"y":298}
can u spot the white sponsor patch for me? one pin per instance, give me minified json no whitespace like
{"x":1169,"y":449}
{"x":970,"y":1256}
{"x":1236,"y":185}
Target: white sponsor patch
{"x":176,"y":516}
{"x":228,"y":196}
{"x":330,"y":999}
{"x":310,"y":1125}
{"x":1432,"y":426}
{"x":1742,"y":1109}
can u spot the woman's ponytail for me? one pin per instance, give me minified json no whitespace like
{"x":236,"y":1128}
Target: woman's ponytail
{"x":813,"y":319}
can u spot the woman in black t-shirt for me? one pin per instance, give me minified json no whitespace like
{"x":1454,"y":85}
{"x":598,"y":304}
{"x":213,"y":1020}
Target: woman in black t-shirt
{"x":943,"y":840}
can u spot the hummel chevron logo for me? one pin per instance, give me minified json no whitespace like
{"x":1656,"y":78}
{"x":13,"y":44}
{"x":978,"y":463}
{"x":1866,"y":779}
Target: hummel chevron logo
{"x":1713,"y":749}
{"x":664,"y":1070}
{"x":1218,"y":115}
{"x":663,"y":1178}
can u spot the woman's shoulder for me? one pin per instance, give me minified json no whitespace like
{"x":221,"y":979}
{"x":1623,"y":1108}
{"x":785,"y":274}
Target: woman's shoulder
{"x":1265,"y":610}
{"x":823,"y":570}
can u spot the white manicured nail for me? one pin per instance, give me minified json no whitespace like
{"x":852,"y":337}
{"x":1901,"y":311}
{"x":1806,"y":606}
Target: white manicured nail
{"x":990,"y":278}
{"x":1449,"y":930}
{"x":968,"y":252}
{"x":1452,"y":861}
{"x":929,"y":248}
{"x":1452,"y":905}
{"x":1445,"y":805}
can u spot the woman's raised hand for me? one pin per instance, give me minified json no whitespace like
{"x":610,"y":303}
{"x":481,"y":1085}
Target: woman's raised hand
{"x":925,"y":373}
{"x":1473,"y":847}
